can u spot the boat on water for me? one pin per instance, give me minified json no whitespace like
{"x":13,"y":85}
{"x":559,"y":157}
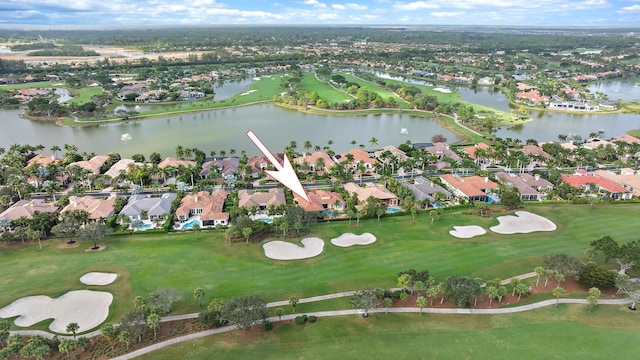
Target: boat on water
{"x":125,"y":137}
{"x":404,"y":131}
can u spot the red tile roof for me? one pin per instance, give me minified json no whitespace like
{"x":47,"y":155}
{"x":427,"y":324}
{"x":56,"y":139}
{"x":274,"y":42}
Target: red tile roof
{"x":582,"y":178}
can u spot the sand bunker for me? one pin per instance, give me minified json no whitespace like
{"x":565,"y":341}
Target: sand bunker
{"x":86,"y":308}
{"x":442,"y":90}
{"x":281,"y":250}
{"x":524,"y":222}
{"x":98,"y":278}
{"x":349,"y":239}
{"x":467,"y":232}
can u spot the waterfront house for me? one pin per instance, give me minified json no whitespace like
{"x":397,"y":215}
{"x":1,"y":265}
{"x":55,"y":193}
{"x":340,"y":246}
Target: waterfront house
{"x":225,"y":166}
{"x":310,"y":161}
{"x":92,"y":165}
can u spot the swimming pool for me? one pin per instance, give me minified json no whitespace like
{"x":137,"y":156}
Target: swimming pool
{"x":189,"y":224}
{"x":392,"y":210}
{"x":144,"y":227}
{"x":266,"y":220}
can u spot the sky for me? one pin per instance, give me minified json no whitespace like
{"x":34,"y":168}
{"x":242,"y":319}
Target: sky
{"x":80,"y":13}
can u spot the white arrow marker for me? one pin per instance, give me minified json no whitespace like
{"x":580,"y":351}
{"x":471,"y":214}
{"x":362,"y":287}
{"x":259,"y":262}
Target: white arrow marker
{"x":284,"y":173}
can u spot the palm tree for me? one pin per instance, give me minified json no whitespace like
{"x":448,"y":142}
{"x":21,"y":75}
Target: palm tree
{"x":199,"y":294}
{"x":73,"y":328}
{"x":353,"y":143}
{"x":558,"y":292}
{"x":307,"y":145}
{"x":54,"y":149}
{"x":373,"y":141}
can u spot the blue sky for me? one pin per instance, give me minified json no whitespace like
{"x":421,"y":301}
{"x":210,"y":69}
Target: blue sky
{"x":318,"y":12}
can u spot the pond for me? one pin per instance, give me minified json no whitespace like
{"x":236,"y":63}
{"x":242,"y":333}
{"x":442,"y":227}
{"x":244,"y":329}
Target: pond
{"x":547,"y":125}
{"x":623,"y":90}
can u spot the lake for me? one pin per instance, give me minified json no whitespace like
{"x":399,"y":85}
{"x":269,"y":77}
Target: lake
{"x":223,"y":130}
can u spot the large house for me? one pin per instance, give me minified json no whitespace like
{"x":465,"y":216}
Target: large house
{"x":261,"y":200}
{"x":321,"y":200}
{"x":627,"y":178}
{"x":474,"y":188}
{"x":97,"y":208}
{"x":155,"y":208}
{"x":174,"y":162}
{"x":259,"y":164}
{"x":583,"y":180}
{"x":424,"y":189}
{"x":26,"y":208}
{"x":528,"y":186}
{"x":310,"y":162}
{"x":442,"y":151}
{"x":359,"y":157}
{"x":378,"y":191}
{"x":122,"y":166}
{"x":208,"y":207}
{"x":225,"y":166}
{"x":92,"y":165}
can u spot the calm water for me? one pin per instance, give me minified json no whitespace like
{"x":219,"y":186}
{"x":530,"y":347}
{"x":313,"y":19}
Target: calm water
{"x":548,"y":125}
{"x":223,"y":130}
{"x":485,"y":96}
{"x":623,"y":90}
{"x":231,"y":87}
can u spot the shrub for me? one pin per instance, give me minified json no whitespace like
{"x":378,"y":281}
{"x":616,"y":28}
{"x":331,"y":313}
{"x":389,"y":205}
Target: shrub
{"x":299,"y":320}
{"x":312,"y":319}
{"x":268,"y":325}
{"x":593,"y":275}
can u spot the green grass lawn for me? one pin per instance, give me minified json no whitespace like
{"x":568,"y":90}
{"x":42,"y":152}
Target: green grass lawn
{"x":146,"y":262}
{"x":325,"y":91}
{"x":84,"y":95}
{"x":31,"y":85}
{"x":371,"y":86}
{"x":635,"y":133}
{"x":565,"y":332}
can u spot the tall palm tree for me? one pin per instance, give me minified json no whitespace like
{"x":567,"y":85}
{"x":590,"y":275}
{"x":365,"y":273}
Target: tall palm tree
{"x":307,"y":145}
{"x":55,"y":149}
{"x":373,"y":141}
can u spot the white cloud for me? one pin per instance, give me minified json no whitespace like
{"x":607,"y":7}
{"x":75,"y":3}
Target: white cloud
{"x":418,"y":5}
{"x":353,"y":6}
{"x":451,"y":14}
{"x":629,"y":9}
{"x":349,"y":6}
{"x":315,"y":3}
